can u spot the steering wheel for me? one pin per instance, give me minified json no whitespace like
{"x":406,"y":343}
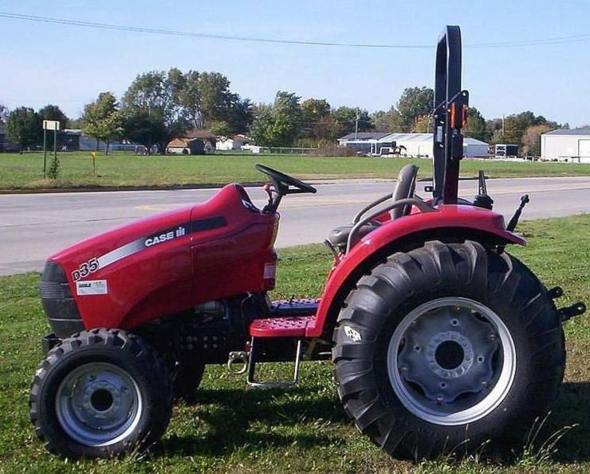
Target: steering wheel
{"x":282,"y":182}
{"x":405,"y":187}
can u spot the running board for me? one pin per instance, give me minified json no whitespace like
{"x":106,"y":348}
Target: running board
{"x":252,"y":382}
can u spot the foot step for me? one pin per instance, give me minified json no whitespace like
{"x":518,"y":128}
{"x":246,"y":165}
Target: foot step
{"x":289,"y":326}
{"x":274,"y":383}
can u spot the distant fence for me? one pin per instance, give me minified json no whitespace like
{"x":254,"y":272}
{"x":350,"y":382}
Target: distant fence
{"x":285,"y":150}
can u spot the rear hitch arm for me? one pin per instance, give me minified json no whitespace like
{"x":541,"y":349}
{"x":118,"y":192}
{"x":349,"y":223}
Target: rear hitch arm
{"x":569,"y":312}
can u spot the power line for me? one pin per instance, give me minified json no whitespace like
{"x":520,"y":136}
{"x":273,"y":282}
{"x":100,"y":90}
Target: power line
{"x":186,"y":34}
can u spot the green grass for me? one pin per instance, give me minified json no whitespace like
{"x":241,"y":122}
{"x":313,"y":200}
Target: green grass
{"x":128,"y":170}
{"x":234,"y":429}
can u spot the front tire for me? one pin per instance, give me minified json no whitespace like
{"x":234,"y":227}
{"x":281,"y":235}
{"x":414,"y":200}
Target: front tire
{"x":448,"y":348}
{"x":100,"y":393}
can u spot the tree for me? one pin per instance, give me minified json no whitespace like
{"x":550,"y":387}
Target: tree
{"x":388,"y":122}
{"x":413,"y":103}
{"x":102,"y":119}
{"x":154,"y":98}
{"x":279,"y":124}
{"x":23,"y":127}
{"x":239,"y":115}
{"x":52,"y":112}
{"x":207,"y":99}
{"x":493,"y":132}
{"x":318,"y":122}
{"x":531,"y":139}
{"x":263,"y":120}
{"x":422,"y":124}
{"x":516,"y":125}
{"x":220,"y":129}
{"x":476,"y":125}
{"x":346,"y":119}
{"x":3,"y":113}
{"x":141,"y":127}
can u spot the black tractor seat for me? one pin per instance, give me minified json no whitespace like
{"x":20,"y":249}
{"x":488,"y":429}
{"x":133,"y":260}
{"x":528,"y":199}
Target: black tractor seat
{"x":404,"y":189}
{"x":338,"y":237}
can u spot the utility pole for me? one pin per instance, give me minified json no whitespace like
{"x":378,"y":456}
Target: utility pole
{"x":356,"y":124}
{"x":503,"y":117}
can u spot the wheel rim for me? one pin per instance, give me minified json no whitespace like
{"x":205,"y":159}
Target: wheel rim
{"x":451,"y":361}
{"x":98,"y":404}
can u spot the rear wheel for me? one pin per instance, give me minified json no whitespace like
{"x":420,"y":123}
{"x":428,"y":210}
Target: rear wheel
{"x":100,"y":393}
{"x":447,"y":348}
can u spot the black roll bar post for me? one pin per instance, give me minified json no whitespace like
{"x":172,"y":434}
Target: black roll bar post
{"x":449,"y":117}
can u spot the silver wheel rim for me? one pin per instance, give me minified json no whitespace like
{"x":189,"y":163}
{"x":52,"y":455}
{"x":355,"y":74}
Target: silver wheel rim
{"x":451,"y":361}
{"x":98,"y":404}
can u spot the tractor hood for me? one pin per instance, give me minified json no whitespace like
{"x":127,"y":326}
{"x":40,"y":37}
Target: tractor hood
{"x":146,"y":268}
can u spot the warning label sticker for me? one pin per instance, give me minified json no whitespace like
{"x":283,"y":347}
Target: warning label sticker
{"x":91,"y":287}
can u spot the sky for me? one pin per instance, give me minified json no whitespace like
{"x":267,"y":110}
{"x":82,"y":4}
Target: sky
{"x":43,"y":63}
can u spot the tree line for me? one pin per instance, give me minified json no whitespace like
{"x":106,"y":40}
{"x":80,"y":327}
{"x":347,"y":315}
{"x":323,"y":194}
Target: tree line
{"x":159,"y":106}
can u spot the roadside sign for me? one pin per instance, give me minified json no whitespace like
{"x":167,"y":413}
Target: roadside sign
{"x":50,"y":125}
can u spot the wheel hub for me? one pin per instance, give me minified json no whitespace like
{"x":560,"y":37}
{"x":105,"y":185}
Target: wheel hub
{"x":447,"y":356}
{"x":98,"y":404}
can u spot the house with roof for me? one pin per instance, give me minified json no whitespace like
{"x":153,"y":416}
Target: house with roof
{"x":566,"y":145}
{"x":195,"y":142}
{"x":232,"y":143}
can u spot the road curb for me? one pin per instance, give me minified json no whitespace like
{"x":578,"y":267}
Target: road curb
{"x":100,"y":189}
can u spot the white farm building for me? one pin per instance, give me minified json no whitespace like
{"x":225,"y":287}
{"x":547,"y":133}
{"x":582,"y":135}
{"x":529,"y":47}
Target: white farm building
{"x":232,"y":143}
{"x":566,"y":145}
{"x":413,"y":144}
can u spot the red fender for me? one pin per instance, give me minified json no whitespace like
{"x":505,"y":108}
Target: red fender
{"x":476,"y":220}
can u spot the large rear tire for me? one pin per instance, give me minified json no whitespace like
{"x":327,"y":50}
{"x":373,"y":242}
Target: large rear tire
{"x":448,"y":348}
{"x":100,"y":393}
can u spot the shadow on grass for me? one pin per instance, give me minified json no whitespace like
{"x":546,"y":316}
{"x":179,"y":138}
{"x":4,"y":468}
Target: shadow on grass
{"x":298,"y":417}
{"x":292,"y":417}
{"x":572,"y":408}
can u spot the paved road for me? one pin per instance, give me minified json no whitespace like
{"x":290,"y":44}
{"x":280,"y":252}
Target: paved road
{"x":34,"y":226}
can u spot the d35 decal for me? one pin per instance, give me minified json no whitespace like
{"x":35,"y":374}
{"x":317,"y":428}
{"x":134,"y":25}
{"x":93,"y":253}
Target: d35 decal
{"x":86,"y":269}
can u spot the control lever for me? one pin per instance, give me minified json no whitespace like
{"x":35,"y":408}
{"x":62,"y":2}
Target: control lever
{"x":483,"y":199}
{"x":524,"y":200}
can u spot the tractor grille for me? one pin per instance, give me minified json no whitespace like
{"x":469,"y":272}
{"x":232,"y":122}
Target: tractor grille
{"x":58,"y":303}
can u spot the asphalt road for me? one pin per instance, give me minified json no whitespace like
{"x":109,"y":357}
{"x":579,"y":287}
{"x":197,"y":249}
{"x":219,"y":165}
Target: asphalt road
{"x":33,"y":226}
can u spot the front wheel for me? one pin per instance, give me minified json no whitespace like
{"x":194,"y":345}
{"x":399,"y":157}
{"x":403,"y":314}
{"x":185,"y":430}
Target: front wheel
{"x":448,"y":347}
{"x":100,"y":393}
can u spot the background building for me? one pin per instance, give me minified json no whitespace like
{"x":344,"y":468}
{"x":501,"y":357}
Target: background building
{"x":363,"y":142}
{"x":566,"y":145}
{"x":232,"y":143}
{"x":411,"y":144}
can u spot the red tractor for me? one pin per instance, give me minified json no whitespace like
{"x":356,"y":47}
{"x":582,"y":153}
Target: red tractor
{"x":440,"y":338}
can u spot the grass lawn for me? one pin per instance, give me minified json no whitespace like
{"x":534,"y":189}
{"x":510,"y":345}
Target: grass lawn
{"x":128,"y":170}
{"x":304,"y":429}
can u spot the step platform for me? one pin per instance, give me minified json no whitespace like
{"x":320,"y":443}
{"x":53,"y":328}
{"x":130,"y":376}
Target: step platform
{"x":287,"y":326}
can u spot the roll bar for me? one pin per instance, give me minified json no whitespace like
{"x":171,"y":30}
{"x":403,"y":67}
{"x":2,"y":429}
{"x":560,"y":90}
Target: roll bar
{"x":450,"y":116}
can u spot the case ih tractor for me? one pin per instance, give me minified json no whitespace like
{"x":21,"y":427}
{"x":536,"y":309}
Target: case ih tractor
{"x":440,"y":338}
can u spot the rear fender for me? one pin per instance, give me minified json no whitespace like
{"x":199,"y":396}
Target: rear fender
{"x":448,"y":223}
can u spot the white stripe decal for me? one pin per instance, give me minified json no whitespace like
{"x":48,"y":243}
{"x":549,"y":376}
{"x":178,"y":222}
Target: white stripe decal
{"x":120,"y":253}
